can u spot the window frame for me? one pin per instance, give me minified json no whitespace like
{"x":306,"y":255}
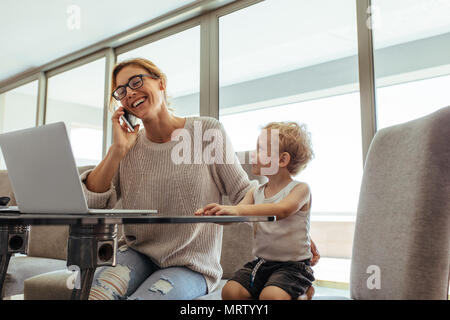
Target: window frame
{"x":206,"y":14}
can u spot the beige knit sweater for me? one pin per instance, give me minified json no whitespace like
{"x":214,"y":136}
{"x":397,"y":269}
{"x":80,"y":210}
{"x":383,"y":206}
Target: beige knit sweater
{"x":148,"y":178}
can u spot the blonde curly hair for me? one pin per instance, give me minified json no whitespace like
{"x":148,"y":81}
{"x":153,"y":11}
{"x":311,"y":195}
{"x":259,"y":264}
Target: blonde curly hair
{"x":294,"y":139}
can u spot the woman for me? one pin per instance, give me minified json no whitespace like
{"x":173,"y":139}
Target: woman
{"x":160,"y":261}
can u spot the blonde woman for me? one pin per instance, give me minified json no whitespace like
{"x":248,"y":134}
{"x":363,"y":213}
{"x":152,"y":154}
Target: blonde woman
{"x":159,"y":261}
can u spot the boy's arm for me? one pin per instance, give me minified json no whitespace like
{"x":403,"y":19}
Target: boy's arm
{"x":297,"y":198}
{"x":248,"y":199}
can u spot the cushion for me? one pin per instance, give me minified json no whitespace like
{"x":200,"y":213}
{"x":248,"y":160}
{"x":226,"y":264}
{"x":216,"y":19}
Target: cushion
{"x":5,"y":185}
{"x":401,"y":247}
{"x":48,"y":286}
{"x":236,"y":248}
{"x":22,"y":267}
{"x":48,"y":242}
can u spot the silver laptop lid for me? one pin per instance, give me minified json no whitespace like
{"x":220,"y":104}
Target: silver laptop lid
{"x":42,"y":170}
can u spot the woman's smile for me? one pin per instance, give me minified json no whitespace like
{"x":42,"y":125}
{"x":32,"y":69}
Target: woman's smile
{"x":136,"y":106}
{"x":138,"y":102}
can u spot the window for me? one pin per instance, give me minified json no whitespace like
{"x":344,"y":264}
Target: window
{"x":302,"y":66}
{"x":79,"y":134}
{"x":178,"y":56}
{"x":412,"y":64}
{"x":18,"y":109}
{"x":77,"y":98}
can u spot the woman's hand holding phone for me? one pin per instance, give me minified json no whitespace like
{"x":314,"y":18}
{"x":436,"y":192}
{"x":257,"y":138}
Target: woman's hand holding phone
{"x":99,"y":180}
{"x":123,"y":140}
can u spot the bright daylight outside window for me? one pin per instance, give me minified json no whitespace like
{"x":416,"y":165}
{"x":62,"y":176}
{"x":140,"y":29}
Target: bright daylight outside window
{"x":302,"y":66}
{"x":76,"y":97}
{"x":412,"y":61}
{"x":178,"y":56}
{"x":18,"y":108}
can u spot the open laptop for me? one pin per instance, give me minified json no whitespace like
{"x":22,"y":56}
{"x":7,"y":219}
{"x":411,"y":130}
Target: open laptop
{"x":43,"y":173}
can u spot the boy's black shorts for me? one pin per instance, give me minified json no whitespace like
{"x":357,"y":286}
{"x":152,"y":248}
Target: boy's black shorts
{"x":294,"y":277}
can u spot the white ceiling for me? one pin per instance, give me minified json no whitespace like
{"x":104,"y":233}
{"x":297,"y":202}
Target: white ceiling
{"x":35,"y":32}
{"x":267,"y":38}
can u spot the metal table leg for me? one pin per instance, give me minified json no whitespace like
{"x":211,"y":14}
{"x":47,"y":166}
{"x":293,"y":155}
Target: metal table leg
{"x":4,"y":262}
{"x":83,"y":292}
{"x":13,"y":239}
{"x":90,"y":246}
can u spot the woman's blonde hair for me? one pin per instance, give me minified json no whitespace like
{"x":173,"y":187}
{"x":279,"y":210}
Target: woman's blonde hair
{"x":295,"y":140}
{"x":143,"y":63}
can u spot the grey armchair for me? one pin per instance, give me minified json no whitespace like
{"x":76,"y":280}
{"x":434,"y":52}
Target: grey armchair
{"x":401,"y":247}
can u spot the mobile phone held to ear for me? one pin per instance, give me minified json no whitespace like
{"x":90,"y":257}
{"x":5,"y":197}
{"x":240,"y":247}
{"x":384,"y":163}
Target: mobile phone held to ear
{"x":129,"y":120}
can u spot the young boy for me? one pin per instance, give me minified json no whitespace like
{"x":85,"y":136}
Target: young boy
{"x":283,"y":248}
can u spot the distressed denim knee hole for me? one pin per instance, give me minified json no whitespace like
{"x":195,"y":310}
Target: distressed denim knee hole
{"x":111,"y":284}
{"x":163,"y":286}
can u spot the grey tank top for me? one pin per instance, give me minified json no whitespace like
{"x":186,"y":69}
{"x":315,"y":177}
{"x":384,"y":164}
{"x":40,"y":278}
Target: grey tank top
{"x":283,"y":240}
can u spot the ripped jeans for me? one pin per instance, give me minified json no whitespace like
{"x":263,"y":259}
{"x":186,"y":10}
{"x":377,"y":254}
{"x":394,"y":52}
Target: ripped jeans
{"x":137,"y":277}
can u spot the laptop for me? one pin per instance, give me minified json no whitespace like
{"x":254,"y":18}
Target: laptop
{"x":43,"y":173}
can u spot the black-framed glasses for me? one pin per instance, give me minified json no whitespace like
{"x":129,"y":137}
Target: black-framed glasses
{"x":135,"y":82}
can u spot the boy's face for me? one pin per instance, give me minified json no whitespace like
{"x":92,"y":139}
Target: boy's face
{"x":265,"y":159}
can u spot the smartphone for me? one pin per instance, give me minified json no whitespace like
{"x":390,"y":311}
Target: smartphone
{"x":129,"y":119}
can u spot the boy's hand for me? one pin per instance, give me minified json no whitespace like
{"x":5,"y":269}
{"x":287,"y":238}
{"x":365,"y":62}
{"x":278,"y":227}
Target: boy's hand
{"x":316,"y":254}
{"x":214,"y":209}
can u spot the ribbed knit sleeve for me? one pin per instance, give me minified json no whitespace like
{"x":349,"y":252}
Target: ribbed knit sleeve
{"x":104,"y":200}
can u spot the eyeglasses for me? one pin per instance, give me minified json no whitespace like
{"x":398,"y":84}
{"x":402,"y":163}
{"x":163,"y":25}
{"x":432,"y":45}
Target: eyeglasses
{"x":134,"y":82}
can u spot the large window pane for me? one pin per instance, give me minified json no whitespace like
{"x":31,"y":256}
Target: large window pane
{"x":412,"y":64}
{"x":77,"y":98}
{"x":18,"y":108}
{"x":290,"y":60}
{"x":178,"y":56}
